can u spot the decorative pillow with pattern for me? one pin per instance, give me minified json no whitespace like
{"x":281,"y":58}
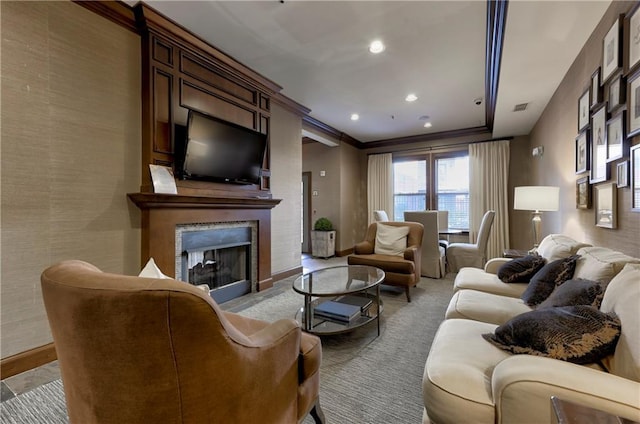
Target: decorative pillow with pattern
{"x":576,"y":292}
{"x":579,"y":334}
{"x":547,"y":279}
{"x":520,"y":270}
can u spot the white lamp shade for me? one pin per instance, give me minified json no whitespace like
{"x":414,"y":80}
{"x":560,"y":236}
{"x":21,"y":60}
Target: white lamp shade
{"x":536,"y":198}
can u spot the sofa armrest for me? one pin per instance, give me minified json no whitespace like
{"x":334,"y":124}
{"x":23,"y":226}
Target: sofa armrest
{"x":494,"y":264}
{"x":522,"y":387}
{"x":363,"y":248}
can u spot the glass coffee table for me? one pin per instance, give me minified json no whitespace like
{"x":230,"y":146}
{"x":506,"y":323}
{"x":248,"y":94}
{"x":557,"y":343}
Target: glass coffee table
{"x":339,"y":299}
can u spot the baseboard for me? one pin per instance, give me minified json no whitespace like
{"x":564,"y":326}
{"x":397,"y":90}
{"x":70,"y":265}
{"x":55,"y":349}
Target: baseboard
{"x":27,"y":360}
{"x":286,"y":274}
{"x":346,"y":252}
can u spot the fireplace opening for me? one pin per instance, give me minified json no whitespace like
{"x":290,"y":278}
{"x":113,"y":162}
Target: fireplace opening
{"x":220,"y":258}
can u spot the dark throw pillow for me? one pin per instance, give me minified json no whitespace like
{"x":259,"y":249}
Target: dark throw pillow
{"x":579,"y":334}
{"x":576,"y":292}
{"x":547,"y":279}
{"x":520,"y":270}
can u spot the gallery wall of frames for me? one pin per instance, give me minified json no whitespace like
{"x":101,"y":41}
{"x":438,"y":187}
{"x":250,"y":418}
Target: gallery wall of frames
{"x":608,"y":118}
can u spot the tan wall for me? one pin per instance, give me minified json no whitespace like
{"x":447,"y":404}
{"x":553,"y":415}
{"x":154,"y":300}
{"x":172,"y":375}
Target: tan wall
{"x":556,"y":131}
{"x":70,"y":153}
{"x":286,"y":177}
{"x":353,"y":197}
{"x":318,"y":157}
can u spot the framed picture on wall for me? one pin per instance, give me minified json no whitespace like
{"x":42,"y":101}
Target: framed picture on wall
{"x":622,"y":173}
{"x":633,"y":42}
{"x":583,"y":111}
{"x":635,"y":178}
{"x":583,"y":193}
{"x":615,"y":137}
{"x":605,"y":205}
{"x":582,"y":152}
{"x":633,"y":105}
{"x":617,"y":91}
{"x":596,"y":91}
{"x":611,"y":50}
{"x":599,"y":168}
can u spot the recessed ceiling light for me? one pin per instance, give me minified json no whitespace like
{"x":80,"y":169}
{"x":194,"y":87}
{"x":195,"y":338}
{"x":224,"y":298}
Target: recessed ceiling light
{"x":376,"y":47}
{"x":427,"y":124}
{"x":355,"y":116}
{"x":411,"y":97}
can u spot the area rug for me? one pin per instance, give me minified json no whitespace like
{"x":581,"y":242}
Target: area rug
{"x":364,"y":378}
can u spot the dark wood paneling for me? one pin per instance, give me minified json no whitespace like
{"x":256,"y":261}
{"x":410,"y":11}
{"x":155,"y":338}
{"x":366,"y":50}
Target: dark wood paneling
{"x":197,"y":98}
{"x":162,"y":83}
{"x":264,"y":102}
{"x":162,"y":52}
{"x":206,"y":73}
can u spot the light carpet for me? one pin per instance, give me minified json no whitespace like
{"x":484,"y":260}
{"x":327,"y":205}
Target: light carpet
{"x":363,"y":378}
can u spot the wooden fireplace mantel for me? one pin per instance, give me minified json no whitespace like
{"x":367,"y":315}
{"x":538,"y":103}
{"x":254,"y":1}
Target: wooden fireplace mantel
{"x":162,"y":213}
{"x":157,"y":201}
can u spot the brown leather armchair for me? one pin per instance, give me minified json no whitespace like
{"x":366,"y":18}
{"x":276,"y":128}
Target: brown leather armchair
{"x":143,"y":350}
{"x":403,"y":271}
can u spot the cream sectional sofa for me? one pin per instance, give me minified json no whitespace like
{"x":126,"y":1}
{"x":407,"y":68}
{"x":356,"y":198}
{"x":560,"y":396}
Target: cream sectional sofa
{"x":469,"y":380}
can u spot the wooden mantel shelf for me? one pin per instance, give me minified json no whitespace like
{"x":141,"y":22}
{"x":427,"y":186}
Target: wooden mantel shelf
{"x":172,"y":201}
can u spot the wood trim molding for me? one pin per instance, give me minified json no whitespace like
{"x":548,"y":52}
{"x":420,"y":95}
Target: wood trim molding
{"x":27,"y":360}
{"x":115,"y":11}
{"x":320,"y":126}
{"x":286,"y":274}
{"x":466,"y":132}
{"x":496,"y":24}
{"x":173,"y":201}
{"x":290,"y":105}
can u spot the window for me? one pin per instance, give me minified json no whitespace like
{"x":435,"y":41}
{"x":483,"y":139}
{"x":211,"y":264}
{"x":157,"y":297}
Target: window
{"x":433,"y":181}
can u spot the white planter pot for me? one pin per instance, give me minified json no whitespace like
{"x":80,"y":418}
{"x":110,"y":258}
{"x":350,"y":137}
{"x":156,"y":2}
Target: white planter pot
{"x":323,"y":244}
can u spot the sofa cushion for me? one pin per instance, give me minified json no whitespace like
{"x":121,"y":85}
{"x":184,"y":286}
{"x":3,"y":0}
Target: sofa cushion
{"x":622,"y":297}
{"x":484,"y":307}
{"x":520,"y":270}
{"x":576,"y":292}
{"x":456,"y":385}
{"x":478,"y":279}
{"x":558,"y":246}
{"x":579,"y":334}
{"x":547,"y":279}
{"x":391,"y":240}
{"x":601,"y":263}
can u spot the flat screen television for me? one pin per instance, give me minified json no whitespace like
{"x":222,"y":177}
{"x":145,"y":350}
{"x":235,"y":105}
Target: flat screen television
{"x":216,"y":150}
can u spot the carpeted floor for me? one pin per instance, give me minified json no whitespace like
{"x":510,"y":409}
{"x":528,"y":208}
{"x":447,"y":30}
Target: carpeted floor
{"x":364,"y":378}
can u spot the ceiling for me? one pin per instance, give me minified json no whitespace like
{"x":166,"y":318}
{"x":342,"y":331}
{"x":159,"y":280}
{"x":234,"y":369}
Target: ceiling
{"x":318,"y":52}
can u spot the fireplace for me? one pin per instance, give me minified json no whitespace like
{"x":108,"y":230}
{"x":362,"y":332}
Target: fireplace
{"x":221,"y":256}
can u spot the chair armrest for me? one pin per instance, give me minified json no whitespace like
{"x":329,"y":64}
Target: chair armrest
{"x":280,"y":331}
{"x":410,"y":253}
{"x":522,"y":387}
{"x":363,"y":248}
{"x":494,"y":264}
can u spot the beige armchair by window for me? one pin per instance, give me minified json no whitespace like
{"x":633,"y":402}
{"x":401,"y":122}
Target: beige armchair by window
{"x":432,"y":260}
{"x":143,"y":350}
{"x":380,"y":216}
{"x":401,"y":270}
{"x":460,"y":255}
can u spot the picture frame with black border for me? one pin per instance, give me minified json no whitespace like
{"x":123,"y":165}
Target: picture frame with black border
{"x":622,"y":174}
{"x":616,"y":140}
{"x":633,"y":105}
{"x":616,"y":92}
{"x":583,"y":193}
{"x":582,"y":152}
{"x":605,"y":201}
{"x":583,"y":110}
{"x":612,"y":49}
{"x":632,"y":40}
{"x":634,"y":177}
{"x":596,"y":89}
{"x":598,"y":156}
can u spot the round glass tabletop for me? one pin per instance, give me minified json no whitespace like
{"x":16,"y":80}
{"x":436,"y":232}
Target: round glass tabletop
{"x":338,"y":280}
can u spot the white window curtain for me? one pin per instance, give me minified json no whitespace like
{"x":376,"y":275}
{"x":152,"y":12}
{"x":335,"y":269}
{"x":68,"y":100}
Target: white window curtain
{"x":380,"y":184}
{"x":488,"y":190}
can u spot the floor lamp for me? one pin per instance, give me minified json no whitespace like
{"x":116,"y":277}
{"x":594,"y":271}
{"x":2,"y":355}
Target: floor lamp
{"x":537,"y":199}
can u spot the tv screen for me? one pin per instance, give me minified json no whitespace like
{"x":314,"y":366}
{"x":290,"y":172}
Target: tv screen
{"x":217,"y":150}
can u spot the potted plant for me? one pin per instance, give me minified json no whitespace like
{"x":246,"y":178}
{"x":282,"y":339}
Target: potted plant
{"x":323,"y":239}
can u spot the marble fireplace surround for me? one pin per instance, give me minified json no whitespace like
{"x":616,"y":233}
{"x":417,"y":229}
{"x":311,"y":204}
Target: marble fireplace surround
{"x":163,"y":213}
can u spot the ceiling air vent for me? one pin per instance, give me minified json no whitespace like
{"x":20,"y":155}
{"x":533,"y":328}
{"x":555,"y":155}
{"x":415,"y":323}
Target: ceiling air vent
{"x":521,"y":106}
